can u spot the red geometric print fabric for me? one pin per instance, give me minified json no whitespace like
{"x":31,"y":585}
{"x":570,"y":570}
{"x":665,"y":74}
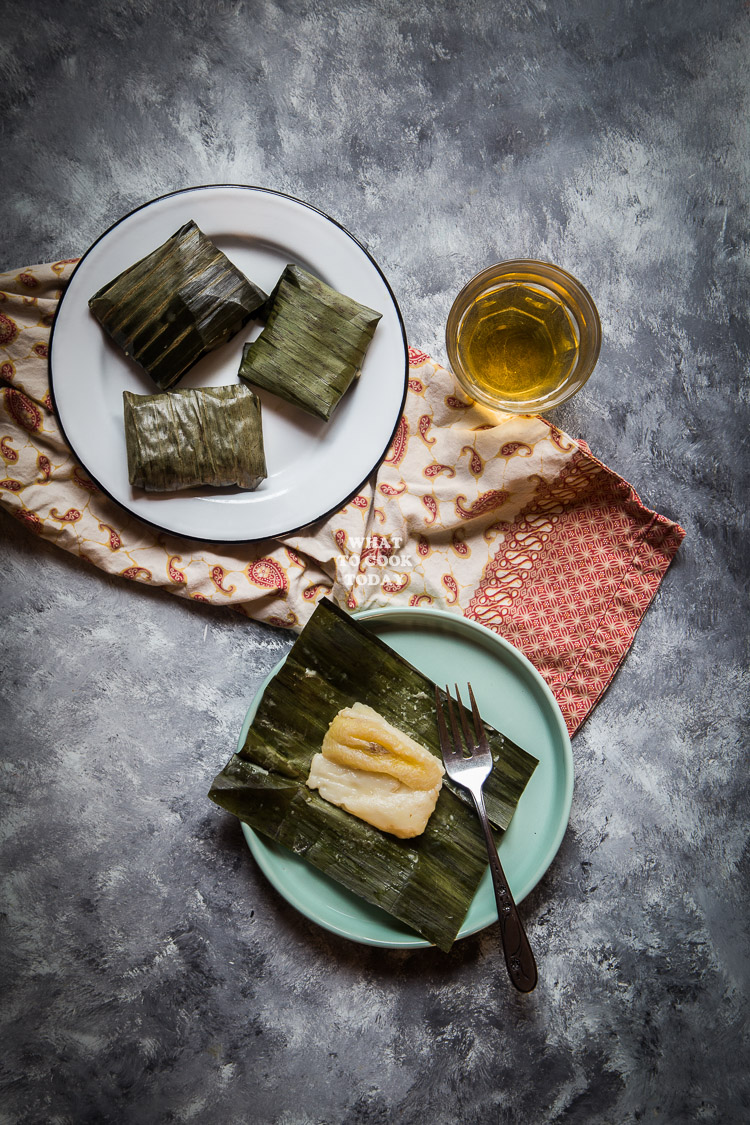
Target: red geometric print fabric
{"x":573,"y":578}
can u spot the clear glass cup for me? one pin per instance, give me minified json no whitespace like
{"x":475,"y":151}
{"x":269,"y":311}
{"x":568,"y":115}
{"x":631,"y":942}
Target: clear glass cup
{"x":523,"y":336}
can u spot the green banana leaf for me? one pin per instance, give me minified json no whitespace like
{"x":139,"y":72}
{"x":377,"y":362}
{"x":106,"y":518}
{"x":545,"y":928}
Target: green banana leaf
{"x":313,"y":345}
{"x":190,"y":438}
{"x":176,"y":305}
{"x":427,"y":882}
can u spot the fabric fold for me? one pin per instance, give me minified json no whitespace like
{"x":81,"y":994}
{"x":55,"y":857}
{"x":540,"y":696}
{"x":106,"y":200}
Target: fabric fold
{"x":502,"y":518}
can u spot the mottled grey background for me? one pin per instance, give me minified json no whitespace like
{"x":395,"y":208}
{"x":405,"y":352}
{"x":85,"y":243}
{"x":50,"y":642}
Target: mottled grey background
{"x":151,"y":973}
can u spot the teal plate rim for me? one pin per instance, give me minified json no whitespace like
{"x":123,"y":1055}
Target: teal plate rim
{"x":513,"y":696}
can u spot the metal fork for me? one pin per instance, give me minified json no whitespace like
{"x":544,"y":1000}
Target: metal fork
{"x":469,"y":764}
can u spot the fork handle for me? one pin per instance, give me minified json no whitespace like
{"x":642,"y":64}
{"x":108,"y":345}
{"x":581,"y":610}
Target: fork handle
{"x":518,"y":955}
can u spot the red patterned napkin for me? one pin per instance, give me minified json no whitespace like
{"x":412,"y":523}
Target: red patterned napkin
{"x":502,"y":518}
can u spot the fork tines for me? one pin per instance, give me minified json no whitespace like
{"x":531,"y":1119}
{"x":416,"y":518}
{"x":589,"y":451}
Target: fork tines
{"x":471,"y":741}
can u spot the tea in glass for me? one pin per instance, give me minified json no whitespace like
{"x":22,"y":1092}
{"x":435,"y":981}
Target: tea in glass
{"x":523,"y":336}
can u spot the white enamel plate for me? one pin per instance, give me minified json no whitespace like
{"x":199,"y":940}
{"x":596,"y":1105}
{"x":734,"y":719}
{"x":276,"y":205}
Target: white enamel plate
{"x":313,"y":466}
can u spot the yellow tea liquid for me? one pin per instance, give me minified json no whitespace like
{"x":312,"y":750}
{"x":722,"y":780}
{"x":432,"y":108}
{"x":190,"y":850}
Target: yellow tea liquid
{"x":517,"y":342}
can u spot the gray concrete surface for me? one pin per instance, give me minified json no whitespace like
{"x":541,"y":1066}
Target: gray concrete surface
{"x":151,"y":973}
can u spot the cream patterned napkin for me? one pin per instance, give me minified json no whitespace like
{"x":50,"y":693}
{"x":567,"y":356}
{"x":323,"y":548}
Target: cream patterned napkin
{"x":499,"y":517}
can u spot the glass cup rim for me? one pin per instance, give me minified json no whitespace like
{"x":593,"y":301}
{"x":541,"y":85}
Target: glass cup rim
{"x":567,"y":287}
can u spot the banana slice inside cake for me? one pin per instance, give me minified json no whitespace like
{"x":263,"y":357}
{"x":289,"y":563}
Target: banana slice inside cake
{"x":376,"y":772}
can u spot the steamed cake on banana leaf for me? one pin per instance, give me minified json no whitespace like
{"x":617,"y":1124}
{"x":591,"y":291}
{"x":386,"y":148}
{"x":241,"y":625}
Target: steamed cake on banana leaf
{"x":377,"y":772}
{"x":428,"y":881}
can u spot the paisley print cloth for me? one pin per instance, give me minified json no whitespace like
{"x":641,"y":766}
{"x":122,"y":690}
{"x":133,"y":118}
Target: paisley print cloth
{"x":501,"y":518}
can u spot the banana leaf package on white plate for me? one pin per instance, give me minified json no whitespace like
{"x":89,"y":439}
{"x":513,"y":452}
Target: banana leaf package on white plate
{"x":313,"y":345}
{"x":176,"y":305}
{"x":190,"y":438}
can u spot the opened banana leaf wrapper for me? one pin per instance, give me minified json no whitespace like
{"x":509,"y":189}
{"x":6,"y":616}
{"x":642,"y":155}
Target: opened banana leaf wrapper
{"x":427,"y":882}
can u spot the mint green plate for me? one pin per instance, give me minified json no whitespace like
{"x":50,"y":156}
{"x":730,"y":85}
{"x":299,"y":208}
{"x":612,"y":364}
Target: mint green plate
{"x":513,"y":697}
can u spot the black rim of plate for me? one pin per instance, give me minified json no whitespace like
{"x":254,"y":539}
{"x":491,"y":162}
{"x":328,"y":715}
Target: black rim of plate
{"x":252,"y":538}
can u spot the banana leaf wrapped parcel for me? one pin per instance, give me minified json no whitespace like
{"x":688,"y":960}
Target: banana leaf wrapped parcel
{"x":427,"y":881}
{"x":176,"y":305}
{"x":194,"y":437}
{"x":313,"y":345}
